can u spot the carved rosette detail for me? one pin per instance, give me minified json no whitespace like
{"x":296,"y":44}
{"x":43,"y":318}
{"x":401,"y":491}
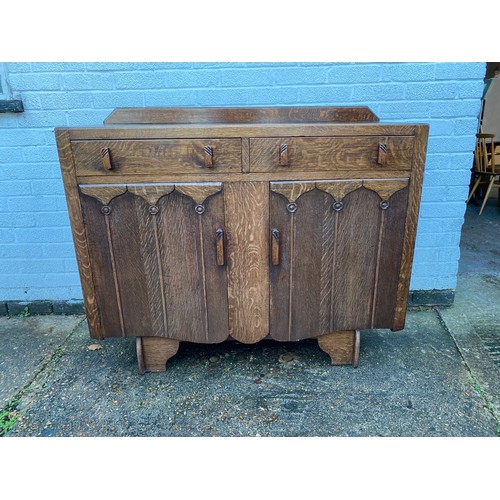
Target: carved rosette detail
{"x":199,"y":209}
{"x":106,"y":209}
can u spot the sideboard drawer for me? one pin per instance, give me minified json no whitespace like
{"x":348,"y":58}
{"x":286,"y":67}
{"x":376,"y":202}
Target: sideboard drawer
{"x":319,"y":154}
{"x":138,"y":157}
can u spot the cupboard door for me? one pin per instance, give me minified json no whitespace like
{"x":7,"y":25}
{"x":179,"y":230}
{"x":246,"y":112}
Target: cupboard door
{"x":330,"y":241}
{"x":158,"y":263}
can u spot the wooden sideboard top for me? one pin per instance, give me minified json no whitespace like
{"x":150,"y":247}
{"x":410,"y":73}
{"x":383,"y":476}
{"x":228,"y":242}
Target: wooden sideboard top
{"x":233,"y":115}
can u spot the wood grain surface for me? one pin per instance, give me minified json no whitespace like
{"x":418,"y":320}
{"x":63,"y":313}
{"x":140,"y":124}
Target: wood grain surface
{"x":155,"y":268}
{"x":389,"y":260}
{"x":247,"y":222}
{"x":157,"y":156}
{"x":342,"y":347}
{"x":330,"y":153}
{"x":241,"y":115}
{"x":147,"y":224}
{"x":356,"y":258}
{"x":415,"y":191}
{"x":230,"y":131}
{"x":297,"y":305}
{"x":68,"y":170}
{"x":154,"y":352}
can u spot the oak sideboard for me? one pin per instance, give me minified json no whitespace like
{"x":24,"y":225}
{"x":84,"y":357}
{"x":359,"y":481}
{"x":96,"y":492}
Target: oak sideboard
{"x":203,"y":224}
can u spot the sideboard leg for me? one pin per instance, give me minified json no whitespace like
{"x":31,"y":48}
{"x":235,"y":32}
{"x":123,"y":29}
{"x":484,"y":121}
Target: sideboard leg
{"x":154,"y":352}
{"x":342,"y":347}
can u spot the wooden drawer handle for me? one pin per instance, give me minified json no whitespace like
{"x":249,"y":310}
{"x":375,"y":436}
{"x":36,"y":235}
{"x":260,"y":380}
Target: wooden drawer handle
{"x":106,"y":159}
{"x":209,"y":156}
{"x":275,"y":247}
{"x":284,"y":155}
{"x":219,"y":241}
{"x":382,"y":153}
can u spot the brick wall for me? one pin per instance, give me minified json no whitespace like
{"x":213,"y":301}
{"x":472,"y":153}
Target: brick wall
{"x":37,"y":259}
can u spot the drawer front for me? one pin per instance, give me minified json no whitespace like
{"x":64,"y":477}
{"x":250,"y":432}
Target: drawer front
{"x":331,"y":153}
{"x":135,"y":157}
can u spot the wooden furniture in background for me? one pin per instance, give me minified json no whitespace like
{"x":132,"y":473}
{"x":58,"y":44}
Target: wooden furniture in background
{"x":486,"y":166}
{"x":201,"y":224}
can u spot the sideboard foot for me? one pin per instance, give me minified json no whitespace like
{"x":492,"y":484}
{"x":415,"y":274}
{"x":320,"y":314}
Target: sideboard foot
{"x":342,"y":347}
{"x":154,"y":352}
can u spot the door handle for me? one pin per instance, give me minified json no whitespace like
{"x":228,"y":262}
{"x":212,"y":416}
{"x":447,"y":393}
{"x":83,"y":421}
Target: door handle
{"x":284,"y":155}
{"x":275,"y":247}
{"x":219,"y":244}
{"x":208,"y":152}
{"x":106,"y":158}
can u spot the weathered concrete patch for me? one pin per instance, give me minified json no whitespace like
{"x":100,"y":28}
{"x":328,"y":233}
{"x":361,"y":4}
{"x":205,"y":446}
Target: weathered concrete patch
{"x":410,"y":383}
{"x":24,"y":345}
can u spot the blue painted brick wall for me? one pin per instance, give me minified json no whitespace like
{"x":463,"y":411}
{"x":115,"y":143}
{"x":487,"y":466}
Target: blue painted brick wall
{"x":37,"y":259}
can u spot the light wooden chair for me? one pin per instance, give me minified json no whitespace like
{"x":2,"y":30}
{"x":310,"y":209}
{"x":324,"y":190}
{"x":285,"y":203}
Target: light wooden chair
{"x":486,"y":166}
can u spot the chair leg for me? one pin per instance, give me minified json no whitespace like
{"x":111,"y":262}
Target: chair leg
{"x":488,"y":191}
{"x":474,"y":188}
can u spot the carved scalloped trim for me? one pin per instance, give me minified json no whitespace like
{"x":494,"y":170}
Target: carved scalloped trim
{"x":339,"y":189}
{"x":150,"y":192}
{"x":103,"y":192}
{"x":386,"y":188}
{"x":199,"y":192}
{"x":292,"y":190}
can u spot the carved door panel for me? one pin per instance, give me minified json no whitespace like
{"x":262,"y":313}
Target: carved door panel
{"x":158,"y":263}
{"x":330,"y":241}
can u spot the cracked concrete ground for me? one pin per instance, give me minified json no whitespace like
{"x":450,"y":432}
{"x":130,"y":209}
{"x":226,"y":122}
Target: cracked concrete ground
{"x":411,"y":383}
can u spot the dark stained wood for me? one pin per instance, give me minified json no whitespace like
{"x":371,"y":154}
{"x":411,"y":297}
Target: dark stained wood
{"x":216,"y":281}
{"x":105,"y":293}
{"x":415,"y":191}
{"x":157,"y":156}
{"x":279,"y":275}
{"x":68,"y":170}
{"x":389,"y":259}
{"x":214,"y":115}
{"x":342,"y":347}
{"x":154,"y":352}
{"x":131,"y":241}
{"x":356,"y":248}
{"x":247,"y":219}
{"x":295,"y":286}
{"x":330,"y":153}
{"x":195,"y":287}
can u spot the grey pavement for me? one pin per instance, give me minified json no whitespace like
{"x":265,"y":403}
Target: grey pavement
{"x":438,"y":377}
